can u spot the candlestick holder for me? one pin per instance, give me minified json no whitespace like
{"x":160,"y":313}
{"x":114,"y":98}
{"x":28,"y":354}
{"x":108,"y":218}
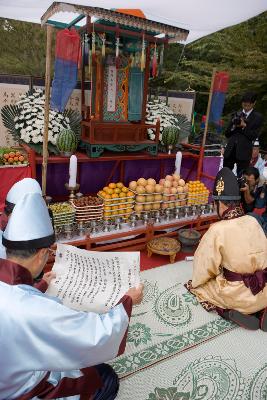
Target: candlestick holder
{"x":117,"y":223}
{"x":106,"y":226}
{"x":211,"y":208}
{"x":157,"y":217}
{"x":177,"y":213}
{"x":202,"y":207}
{"x":81,"y":228}
{"x":145,"y":218}
{"x":133,"y":221}
{"x":68,"y":231}
{"x":72,"y":190}
{"x":167,"y":213}
{"x":93,"y":226}
{"x":186,"y":211}
{"x":194,"y":211}
{"x":57,"y":231}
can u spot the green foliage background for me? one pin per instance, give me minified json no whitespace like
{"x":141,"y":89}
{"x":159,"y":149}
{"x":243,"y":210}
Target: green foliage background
{"x":241,"y":50}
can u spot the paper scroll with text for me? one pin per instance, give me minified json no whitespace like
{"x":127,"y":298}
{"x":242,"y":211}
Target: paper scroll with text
{"x":91,"y":280}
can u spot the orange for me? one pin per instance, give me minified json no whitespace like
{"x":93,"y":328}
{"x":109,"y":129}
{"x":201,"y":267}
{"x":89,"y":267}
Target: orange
{"x":121,"y":205}
{"x":108,"y":196}
{"x":117,"y":190}
{"x":120,"y":185}
{"x":107,"y":214}
{"x":105,"y":189}
{"x":124,"y":189}
{"x":110,"y":191}
{"x":122,"y":194}
{"x":107,"y":208}
{"x":129,"y":194}
{"x":129,"y":210}
{"x":114,"y":196}
{"x":112,"y":185}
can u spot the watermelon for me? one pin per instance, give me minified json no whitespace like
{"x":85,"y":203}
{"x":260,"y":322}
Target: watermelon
{"x":170,"y":135}
{"x":67,"y":141}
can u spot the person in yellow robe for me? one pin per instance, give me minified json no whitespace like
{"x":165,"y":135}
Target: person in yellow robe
{"x":230,"y":263}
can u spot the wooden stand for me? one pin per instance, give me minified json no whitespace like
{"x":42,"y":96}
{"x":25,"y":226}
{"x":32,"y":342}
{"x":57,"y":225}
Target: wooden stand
{"x":142,"y":235}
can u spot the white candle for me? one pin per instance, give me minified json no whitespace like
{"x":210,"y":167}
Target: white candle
{"x":178,"y":162}
{"x":73,"y":171}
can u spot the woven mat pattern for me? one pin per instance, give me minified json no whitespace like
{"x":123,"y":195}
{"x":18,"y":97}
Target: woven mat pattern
{"x":168,"y":322}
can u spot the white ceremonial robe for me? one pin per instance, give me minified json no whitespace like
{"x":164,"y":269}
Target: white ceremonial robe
{"x":39,"y":334}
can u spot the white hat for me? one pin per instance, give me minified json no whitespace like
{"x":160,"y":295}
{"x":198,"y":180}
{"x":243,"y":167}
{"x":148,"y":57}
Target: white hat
{"x":29,"y":226}
{"x":256,"y":143}
{"x":19,"y":189}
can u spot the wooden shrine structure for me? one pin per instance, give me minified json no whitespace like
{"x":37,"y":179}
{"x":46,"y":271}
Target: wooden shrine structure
{"x":121,"y":50}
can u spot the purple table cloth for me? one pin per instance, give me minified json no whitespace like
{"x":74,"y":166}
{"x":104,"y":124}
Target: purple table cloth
{"x":93,"y":176}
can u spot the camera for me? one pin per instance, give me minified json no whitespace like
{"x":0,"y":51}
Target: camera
{"x":236,"y":120}
{"x":242,"y":182}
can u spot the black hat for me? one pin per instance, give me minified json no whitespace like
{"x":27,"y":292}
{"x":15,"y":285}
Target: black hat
{"x":226,"y":186}
{"x":249,"y":97}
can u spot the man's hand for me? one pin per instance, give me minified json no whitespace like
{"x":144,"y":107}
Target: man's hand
{"x":242,"y":123}
{"x":48,"y":276}
{"x":136,"y":294}
{"x":245,"y":188}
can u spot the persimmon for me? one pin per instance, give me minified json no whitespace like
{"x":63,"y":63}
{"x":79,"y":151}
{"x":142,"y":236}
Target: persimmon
{"x":16,"y":159}
{"x":11,"y":160}
{"x":12,"y":154}
{"x":6,"y":156}
{"x":21,"y":158}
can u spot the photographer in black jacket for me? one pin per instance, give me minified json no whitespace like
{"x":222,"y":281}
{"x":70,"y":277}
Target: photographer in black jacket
{"x":250,"y":191}
{"x":242,"y":131}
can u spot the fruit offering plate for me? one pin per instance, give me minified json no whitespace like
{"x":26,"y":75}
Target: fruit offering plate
{"x":13,"y":157}
{"x":148,"y":201}
{"x":167,"y":198}
{"x":124,"y":210}
{"x":63,"y":214}
{"x":198,"y":193}
{"x":87,"y":203}
{"x":116,"y":193}
{"x":130,"y":195}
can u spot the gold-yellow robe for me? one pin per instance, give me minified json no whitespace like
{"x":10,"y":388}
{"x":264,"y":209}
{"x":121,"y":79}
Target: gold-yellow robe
{"x":240,"y":246}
